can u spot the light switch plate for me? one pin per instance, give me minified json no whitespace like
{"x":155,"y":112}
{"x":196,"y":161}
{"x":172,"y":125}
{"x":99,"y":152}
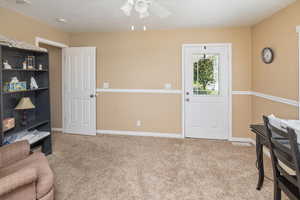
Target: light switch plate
{"x":105,"y":85}
{"x":168,"y":86}
{"x":138,"y":123}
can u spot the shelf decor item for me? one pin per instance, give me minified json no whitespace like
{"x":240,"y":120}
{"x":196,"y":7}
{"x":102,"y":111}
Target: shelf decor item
{"x":24,"y":65}
{"x":33,"y":84}
{"x":30,"y":62}
{"x":15,"y":85}
{"x":6,"y":65}
{"x":25,"y":104}
{"x":8,"y":123}
{"x":40,"y":67}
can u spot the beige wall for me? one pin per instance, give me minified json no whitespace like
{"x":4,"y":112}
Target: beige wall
{"x":241,"y":115}
{"x":148,"y":60}
{"x":23,"y":28}
{"x":55,"y":63}
{"x":281,"y":77}
{"x":158,"y":113}
{"x":266,"y":107}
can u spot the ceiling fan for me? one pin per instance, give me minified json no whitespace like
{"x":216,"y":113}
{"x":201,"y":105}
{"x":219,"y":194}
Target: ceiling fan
{"x":144,"y":7}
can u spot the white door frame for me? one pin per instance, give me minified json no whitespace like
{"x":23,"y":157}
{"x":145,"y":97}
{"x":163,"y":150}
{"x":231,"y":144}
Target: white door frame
{"x":39,"y":40}
{"x":298,"y":31}
{"x":229,"y":46}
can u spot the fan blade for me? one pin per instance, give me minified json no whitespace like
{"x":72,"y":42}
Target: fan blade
{"x":127,"y":7}
{"x":159,"y":10}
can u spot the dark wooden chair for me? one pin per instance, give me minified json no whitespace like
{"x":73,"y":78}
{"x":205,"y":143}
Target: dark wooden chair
{"x":284,"y":149}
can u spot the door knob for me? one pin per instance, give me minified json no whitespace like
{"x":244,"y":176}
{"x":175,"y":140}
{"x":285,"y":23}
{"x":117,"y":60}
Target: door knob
{"x":92,"y":96}
{"x":187,"y":93}
{"x":187,"y":99}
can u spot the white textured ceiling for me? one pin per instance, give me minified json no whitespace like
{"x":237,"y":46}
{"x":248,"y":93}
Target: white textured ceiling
{"x":105,"y":15}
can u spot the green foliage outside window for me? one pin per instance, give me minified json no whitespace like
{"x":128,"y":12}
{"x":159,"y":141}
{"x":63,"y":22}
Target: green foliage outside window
{"x":204,"y":74}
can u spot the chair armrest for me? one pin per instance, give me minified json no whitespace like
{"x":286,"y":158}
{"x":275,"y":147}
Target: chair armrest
{"x":14,"y":152}
{"x":16,"y":180}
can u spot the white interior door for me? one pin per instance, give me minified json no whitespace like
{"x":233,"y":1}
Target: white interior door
{"x":206,"y":71}
{"x":79,"y":90}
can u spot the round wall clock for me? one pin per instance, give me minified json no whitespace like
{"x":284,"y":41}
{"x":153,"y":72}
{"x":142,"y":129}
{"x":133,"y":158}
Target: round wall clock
{"x":267,"y":55}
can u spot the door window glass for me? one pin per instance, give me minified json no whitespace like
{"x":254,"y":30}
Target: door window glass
{"x":206,"y":74}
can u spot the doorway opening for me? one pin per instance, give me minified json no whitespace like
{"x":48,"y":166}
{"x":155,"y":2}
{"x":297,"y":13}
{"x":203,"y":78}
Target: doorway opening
{"x":55,"y":77}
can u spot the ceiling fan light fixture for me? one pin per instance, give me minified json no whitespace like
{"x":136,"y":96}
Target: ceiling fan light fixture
{"x":61,"y":20}
{"x":23,"y":2}
{"x":141,"y":6}
{"x":144,"y":14}
{"x":127,"y":7}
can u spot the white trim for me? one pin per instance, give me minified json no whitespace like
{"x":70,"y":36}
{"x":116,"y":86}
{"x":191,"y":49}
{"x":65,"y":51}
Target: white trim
{"x":154,"y":134}
{"x":298,"y":30}
{"x":207,"y":44}
{"x":242,"y":140}
{"x":230,"y":91}
{"x":183,"y":91}
{"x":151,"y":91}
{"x":138,"y":133}
{"x":277,"y":99}
{"x":63,"y":65}
{"x":229,"y":45}
{"x":269,"y":97}
{"x":39,"y":40}
{"x":79,"y":132}
{"x":242,"y":93}
{"x":164,"y":91}
{"x":57,"y":129}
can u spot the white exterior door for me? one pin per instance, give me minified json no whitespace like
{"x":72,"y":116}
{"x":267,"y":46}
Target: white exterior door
{"x":79,"y":90}
{"x":206,"y":79}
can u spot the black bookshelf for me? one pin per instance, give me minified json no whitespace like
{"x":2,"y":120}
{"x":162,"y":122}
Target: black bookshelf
{"x":38,"y":118}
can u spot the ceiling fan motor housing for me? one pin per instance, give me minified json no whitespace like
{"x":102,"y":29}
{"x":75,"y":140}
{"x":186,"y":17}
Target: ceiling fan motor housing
{"x":141,"y":6}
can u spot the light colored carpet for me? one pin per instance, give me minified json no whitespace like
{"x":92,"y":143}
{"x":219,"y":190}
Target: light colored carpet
{"x":145,"y":168}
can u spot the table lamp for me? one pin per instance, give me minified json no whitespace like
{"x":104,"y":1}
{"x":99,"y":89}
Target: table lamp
{"x":24,"y":104}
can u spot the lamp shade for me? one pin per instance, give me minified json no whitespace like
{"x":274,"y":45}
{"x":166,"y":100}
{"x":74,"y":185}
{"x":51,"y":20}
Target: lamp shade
{"x":25,"y":104}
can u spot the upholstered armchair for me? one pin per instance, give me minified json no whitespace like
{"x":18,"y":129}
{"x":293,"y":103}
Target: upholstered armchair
{"x":24,"y":176}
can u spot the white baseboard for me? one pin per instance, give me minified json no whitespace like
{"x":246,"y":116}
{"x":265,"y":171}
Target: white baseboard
{"x":57,"y":129}
{"x":77,"y":132}
{"x":158,"y":134}
{"x":137,"y":133}
{"x":243,"y":140}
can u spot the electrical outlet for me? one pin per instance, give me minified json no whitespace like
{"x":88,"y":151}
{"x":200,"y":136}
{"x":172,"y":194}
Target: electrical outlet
{"x":138,"y":123}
